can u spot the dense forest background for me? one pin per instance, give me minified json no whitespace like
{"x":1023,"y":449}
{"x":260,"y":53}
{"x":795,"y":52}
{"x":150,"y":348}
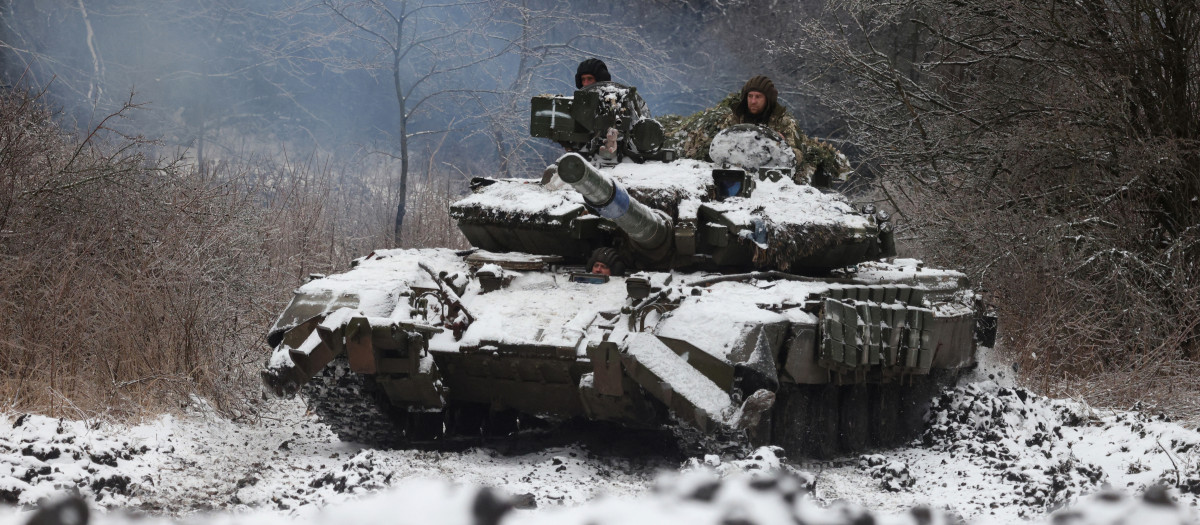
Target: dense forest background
{"x":171,"y":170}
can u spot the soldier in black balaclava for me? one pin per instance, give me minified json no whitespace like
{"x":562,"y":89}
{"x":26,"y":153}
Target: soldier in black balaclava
{"x":591,"y":71}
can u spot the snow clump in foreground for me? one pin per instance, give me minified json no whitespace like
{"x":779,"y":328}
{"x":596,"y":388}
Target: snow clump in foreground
{"x":692,"y":498}
{"x":991,"y":454}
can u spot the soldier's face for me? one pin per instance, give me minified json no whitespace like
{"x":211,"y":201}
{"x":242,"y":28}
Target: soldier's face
{"x":601,"y":269}
{"x":587,"y":79}
{"x":755,"y":102}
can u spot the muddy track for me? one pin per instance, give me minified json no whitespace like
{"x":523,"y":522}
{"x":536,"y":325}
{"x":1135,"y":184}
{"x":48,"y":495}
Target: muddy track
{"x":354,"y":408}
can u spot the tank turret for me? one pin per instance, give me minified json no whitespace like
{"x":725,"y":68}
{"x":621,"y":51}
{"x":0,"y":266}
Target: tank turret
{"x":741,"y":213}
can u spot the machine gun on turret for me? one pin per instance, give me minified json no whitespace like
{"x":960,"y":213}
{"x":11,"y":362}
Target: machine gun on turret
{"x":605,"y":121}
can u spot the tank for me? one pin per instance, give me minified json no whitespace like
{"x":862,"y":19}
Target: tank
{"x":752,"y":310}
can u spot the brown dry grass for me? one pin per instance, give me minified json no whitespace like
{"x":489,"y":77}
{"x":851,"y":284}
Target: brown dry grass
{"x":1063,"y":177}
{"x":132,"y":282}
{"x":1084,"y":311}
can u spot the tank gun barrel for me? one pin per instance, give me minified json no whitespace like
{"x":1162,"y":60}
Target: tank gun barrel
{"x":649,"y":229}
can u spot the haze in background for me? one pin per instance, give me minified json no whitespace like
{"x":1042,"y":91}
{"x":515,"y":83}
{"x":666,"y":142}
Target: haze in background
{"x":230,"y":79}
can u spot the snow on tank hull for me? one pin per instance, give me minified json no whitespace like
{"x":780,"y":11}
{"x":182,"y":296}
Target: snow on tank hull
{"x":430,"y":345}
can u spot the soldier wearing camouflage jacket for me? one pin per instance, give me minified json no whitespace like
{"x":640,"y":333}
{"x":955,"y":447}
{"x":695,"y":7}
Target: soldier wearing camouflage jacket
{"x":817,"y":161}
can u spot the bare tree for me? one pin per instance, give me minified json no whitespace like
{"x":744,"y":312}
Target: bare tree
{"x":419,"y":44}
{"x":34,"y":53}
{"x":208,"y":69}
{"x":1051,"y":147}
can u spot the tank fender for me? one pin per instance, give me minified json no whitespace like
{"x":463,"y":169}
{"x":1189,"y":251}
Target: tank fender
{"x":305,"y":306}
{"x":800,"y":357}
{"x":293,"y":361}
{"x":755,"y":360}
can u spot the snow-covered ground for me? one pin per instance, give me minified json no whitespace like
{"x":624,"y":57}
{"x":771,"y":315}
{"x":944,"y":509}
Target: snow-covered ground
{"x":993,"y":453}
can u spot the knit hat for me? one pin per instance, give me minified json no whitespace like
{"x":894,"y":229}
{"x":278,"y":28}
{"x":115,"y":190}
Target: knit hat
{"x":610,"y":258}
{"x":762,"y":85}
{"x":594,"y":67}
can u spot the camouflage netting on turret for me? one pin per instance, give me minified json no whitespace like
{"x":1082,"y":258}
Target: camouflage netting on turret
{"x":665,"y":199}
{"x":664,"y":187}
{"x":791,"y":243}
{"x":516,"y":202}
{"x":690,"y":136}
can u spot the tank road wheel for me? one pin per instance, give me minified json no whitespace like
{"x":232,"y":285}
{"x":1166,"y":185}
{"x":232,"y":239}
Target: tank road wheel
{"x":500,"y":423}
{"x":884,"y":414}
{"x":853,"y":418}
{"x":822,"y":437}
{"x":353,"y":406}
{"x":425,"y":426}
{"x":466,"y":420}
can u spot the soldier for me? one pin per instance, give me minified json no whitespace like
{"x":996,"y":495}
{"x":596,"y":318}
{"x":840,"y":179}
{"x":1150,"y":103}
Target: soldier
{"x":606,"y":261}
{"x":757,"y":103}
{"x":591,"y":71}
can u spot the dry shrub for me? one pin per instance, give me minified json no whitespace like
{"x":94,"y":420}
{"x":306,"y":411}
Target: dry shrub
{"x":1052,"y":150}
{"x":1083,"y":312}
{"x":128,"y":277}
{"x":1090,"y":307}
{"x":431,"y":190}
{"x":133,"y":282}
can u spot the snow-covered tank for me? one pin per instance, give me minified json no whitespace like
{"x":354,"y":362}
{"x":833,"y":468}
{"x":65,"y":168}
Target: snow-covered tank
{"x":757,"y":310}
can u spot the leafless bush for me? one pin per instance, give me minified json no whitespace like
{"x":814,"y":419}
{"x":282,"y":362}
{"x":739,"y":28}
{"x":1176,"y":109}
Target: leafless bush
{"x":128,"y":277}
{"x":429,"y":193}
{"x":1084,"y":312}
{"x":1051,"y":149}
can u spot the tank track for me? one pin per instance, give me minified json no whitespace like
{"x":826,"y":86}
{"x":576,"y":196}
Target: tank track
{"x":692,"y":442}
{"x":827,"y":421}
{"x":353,"y":406}
{"x":813,"y":421}
{"x":357,"y":410}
